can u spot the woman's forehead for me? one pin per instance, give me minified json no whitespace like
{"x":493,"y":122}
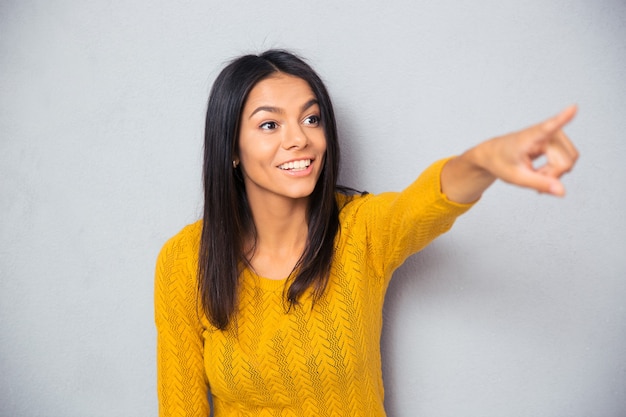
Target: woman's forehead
{"x":280,"y":89}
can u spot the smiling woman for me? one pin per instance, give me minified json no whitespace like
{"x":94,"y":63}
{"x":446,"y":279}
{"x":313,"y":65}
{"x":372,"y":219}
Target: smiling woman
{"x":272,"y":303}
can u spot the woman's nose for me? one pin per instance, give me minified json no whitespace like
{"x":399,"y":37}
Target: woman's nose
{"x":294,"y":137}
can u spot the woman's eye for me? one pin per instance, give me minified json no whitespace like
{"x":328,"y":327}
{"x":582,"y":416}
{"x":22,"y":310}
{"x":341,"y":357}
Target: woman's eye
{"x":269,"y":125}
{"x":312,"y":120}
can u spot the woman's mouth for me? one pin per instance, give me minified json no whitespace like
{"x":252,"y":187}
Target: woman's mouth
{"x":295,"y":165}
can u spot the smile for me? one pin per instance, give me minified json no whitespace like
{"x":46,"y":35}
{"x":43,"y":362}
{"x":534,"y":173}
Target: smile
{"x":296,"y":165}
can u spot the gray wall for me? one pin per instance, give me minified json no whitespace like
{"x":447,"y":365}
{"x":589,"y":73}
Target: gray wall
{"x":519,"y":311}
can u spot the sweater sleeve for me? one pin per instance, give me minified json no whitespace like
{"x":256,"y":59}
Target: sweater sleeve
{"x":181,"y":379}
{"x":401,"y":224}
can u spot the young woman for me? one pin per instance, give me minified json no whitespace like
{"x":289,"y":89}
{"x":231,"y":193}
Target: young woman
{"x":271,"y":305}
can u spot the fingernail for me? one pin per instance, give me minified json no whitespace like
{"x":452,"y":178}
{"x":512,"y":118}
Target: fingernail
{"x":557,"y":189}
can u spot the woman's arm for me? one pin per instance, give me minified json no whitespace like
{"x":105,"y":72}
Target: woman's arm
{"x":181,"y":380}
{"x":510,"y":158}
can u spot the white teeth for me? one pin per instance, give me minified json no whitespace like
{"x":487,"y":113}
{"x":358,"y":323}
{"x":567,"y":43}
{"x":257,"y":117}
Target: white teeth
{"x":296,"y":165}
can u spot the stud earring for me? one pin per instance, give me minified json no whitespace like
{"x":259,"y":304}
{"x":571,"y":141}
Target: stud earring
{"x":235,"y":163}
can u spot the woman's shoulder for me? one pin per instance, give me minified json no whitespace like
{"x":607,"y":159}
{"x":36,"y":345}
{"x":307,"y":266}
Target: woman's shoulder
{"x":349,"y":197}
{"x":184,"y":243}
{"x":352,"y":202}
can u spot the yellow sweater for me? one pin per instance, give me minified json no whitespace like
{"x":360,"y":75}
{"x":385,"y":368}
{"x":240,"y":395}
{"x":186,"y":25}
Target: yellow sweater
{"x":320,"y":360}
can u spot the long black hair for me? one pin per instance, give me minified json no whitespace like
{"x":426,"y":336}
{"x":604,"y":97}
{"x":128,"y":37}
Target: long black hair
{"x":227,"y":220}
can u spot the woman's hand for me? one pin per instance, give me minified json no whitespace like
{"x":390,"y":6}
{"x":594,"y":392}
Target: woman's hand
{"x":510,"y":158}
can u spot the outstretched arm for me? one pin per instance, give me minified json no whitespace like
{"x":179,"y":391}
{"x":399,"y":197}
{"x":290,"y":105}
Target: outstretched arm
{"x":510,"y":158}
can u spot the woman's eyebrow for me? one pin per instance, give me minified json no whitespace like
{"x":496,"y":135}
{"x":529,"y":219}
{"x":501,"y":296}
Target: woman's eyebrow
{"x":272,"y":109}
{"x":308,"y":104}
{"x":269,"y":109}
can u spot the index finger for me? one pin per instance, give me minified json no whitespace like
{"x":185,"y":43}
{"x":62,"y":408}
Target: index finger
{"x":556,"y":123}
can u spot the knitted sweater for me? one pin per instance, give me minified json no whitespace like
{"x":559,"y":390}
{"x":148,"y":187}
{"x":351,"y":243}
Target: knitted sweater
{"x":317,"y":359}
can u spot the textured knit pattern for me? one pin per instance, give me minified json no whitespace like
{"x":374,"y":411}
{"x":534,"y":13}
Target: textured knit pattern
{"x":313,"y":360}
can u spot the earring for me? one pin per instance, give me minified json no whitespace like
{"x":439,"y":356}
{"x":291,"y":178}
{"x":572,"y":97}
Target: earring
{"x":235,"y":163}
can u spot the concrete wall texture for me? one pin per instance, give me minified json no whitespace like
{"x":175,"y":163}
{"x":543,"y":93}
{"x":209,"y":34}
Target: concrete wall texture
{"x":518,"y":311}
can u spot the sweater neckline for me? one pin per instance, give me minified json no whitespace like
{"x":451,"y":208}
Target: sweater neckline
{"x":267,"y":284}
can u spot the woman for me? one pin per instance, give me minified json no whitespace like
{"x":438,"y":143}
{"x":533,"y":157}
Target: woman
{"x":272,"y":303}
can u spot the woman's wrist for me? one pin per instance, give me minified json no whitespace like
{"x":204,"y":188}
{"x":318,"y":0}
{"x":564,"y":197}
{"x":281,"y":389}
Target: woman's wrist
{"x":463,"y":178}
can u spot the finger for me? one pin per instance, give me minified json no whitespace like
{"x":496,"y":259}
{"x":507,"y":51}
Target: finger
{"x":554,"y":169}
{"x":559,"y":159}
{"x":556,"y":123}
{"x":541,"y":183}
{"x":545,"y":130}
{"x":561,"y":155}
{"x":568,"y":145}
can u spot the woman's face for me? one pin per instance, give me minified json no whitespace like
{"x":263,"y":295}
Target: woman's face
{"x":281,"y":141}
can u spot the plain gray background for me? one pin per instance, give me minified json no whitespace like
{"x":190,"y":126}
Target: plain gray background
{"x":518,"y":311}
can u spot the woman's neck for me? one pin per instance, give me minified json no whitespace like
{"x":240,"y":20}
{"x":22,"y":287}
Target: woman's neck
{"x":281,"y":236}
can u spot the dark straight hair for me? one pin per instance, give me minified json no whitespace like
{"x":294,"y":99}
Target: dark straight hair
{"x":227,"y":220}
